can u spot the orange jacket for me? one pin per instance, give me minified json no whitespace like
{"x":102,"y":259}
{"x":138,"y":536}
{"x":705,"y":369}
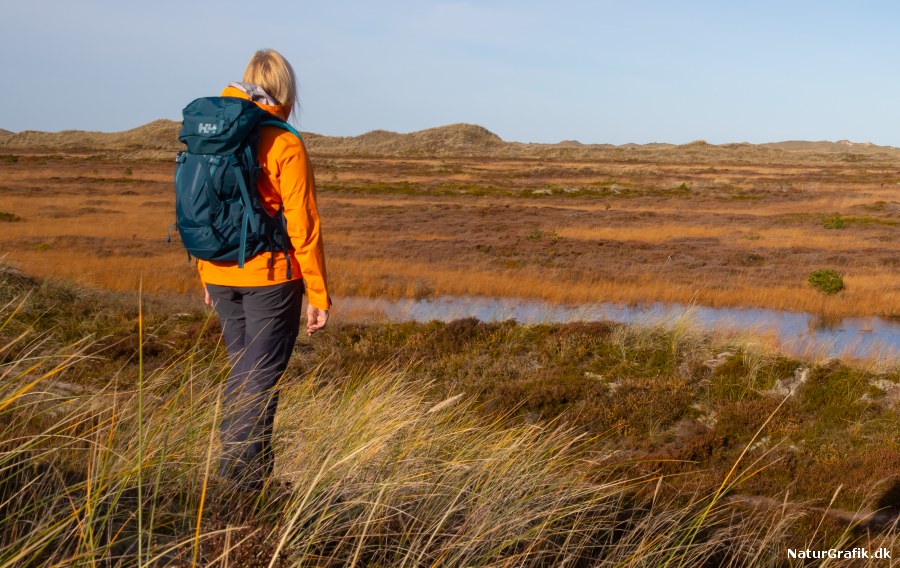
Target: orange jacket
{"x":286,"y":181}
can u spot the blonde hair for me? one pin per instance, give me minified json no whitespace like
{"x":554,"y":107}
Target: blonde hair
{"x":271,"y":71}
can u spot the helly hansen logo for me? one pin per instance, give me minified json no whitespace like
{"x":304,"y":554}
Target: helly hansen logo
{"x":207,"y":128}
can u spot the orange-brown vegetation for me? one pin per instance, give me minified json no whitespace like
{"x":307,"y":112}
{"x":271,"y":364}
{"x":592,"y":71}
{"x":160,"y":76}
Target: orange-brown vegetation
{"x":594,"y":440}
{"x":456,"y":210}
{"x":584,"y":444}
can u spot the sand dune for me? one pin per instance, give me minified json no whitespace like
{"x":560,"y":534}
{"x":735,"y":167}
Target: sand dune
{"x":159,"y":139}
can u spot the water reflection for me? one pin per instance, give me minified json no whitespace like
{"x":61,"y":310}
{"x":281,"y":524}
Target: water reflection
{"x":798,"y":332}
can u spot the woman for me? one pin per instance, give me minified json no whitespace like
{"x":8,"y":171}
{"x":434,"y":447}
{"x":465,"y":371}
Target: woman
{"x":258,"y":305}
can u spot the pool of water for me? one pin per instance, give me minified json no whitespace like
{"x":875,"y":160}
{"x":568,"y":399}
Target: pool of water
{"x":798,"y":333}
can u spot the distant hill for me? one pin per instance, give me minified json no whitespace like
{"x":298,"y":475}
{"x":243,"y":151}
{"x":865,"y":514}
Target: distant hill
{"x":157,"y":135}
{"x":454,"y":139}
{"x":826,"y":146}
{"x":159,"y":140}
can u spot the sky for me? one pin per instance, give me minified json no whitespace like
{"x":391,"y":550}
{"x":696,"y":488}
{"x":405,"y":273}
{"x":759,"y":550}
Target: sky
{"x":597,"y":72}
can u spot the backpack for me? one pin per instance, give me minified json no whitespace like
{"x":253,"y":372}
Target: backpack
{"x":218,"y":211}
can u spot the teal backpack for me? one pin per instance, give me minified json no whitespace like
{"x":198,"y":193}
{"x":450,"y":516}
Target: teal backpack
{"x":218,"y":211}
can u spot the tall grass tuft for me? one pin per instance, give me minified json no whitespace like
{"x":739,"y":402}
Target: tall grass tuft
{"x":371,"y":470}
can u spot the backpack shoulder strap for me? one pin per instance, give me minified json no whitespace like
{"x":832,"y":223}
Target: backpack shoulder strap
{"x":283,"y":125}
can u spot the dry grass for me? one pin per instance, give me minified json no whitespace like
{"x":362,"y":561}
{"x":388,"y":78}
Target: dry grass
{"x":370,"y":472}
{"x":737,"y":236}
{"x":716,"y":233}
{"x":657,"y":234}
{"x":104,"y":462}
{"x":386,"y":278}
{"x":387,"y":467}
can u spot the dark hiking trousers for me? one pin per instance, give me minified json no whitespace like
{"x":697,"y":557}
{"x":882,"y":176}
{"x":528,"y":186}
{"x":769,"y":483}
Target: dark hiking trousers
{"x":260,"y":325}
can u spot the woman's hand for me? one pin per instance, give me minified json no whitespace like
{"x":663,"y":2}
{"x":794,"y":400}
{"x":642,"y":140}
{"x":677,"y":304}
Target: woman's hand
{"x":207,"y":299}
{"x":315,"y":319}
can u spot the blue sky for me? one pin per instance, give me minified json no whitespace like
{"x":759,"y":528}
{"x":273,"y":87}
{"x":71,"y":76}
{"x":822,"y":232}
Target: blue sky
{"x":598,"y":72}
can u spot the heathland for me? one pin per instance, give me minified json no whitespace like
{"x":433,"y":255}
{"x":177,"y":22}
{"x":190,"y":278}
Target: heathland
{"x":455,"y":210}
{"x":461,"y":443}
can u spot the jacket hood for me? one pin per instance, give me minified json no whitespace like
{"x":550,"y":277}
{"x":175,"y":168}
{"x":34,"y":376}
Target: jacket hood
{"x":251,"y":92}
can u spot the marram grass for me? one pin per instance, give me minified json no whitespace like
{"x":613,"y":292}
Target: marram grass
{"x":371,"y":470}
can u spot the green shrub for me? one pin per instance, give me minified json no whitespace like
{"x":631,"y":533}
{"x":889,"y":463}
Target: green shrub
{"x":826,"y":281}
{"x":128,"y":171}
{"x":539,"y":234}
{"x":834,"y":221}
{"x":10,"y":159}
{"x":9,"y":217}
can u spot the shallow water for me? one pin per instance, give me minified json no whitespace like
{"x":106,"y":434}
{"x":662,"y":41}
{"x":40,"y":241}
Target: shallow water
{"x":798,"y":333}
